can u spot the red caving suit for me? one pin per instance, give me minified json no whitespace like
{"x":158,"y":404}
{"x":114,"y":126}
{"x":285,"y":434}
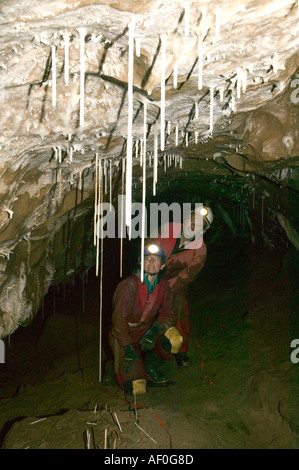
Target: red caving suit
{"x":134,"y":312}
{"x":182,"y":267}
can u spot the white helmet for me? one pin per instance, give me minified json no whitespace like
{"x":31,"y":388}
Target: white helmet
{"x":208,"y":216}
{"x":202,"y":224}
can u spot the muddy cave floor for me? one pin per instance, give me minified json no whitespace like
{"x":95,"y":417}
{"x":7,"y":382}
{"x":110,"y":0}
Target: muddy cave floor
{"x":241,"y":390}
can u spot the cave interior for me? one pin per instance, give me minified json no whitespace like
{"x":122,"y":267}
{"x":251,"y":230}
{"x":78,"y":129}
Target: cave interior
{"x":169,"y":102}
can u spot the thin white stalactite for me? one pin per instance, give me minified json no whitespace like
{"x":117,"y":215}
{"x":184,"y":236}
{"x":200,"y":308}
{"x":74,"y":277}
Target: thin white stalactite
{"x":199,"y":67}
{"x":143,"y":203}
{"x":54,"y":75}
{"x":218,"y":17}
{"x":59,"y":153}
{"x":122,"y":217}
{"x":71,"y":154}
{"x":163,"y":58}
{"x":244,"y":80}
{"x":175,"y":75}
{"x":176,"y":135}
{"x":187,"y":19}
{"x":130,"y":126}
{"x":59,"y":184}
{"x":101,"y":303}
{"x":221,"y":92}
{"x":155,"y":172}
{"x":203,"y":22}
{"x":98,"y":216}
{"x":211,"y":108}
{"x":141,"y":152}
{"x":239,"y":82}
{"x":95,"y":201}
{"x":82,"y":33}
{"x":66,"y":57}
{"x":106,"y":176}
{"x":137,"y":44}
{"x":110,"y":184}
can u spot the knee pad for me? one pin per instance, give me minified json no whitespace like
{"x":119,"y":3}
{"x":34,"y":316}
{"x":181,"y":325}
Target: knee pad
{"x":175,"y":338}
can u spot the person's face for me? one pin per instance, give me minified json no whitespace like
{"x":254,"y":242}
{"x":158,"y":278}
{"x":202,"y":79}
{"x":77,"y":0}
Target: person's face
{"x":193,"y":222}
{"x":190,"y":225}
{"x":153,"y":264}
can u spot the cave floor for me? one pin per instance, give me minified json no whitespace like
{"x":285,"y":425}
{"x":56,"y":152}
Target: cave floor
{"x":240,"y":390}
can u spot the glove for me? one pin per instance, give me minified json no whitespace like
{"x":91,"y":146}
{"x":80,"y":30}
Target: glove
{"x":149,"y":338}
{"x":130,"y":356}
{"x":165,"y":343}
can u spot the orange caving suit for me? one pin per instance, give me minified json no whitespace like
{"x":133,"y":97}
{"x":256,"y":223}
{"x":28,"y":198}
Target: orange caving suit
{"x":182,"y":267}
{"x":134,"y":312}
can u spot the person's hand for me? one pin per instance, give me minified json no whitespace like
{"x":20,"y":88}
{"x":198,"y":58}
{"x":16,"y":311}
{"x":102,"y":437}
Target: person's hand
{"x":148,"y":340}
{"x":165,"y":343}
{"x":130,"y":355}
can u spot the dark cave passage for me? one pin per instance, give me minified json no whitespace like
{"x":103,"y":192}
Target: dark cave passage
{"x":241,"y":388}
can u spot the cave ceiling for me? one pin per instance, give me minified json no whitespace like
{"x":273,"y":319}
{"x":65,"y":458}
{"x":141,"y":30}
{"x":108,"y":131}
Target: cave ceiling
{"x":227,"y":71}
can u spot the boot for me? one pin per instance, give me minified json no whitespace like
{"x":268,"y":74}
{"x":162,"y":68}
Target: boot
{"x":152,"y":365}
{"x":181,"y":359}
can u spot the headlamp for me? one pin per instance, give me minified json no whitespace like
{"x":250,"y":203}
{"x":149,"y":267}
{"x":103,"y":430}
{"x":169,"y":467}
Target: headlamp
{"x":203,"y":211}
{"x":153,"y":249}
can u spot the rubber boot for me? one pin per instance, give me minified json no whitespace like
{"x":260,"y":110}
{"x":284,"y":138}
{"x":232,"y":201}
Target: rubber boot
{"x":152,"y":364}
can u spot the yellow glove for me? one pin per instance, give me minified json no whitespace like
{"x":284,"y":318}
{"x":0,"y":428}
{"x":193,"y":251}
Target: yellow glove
{"x":175,"y":338}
